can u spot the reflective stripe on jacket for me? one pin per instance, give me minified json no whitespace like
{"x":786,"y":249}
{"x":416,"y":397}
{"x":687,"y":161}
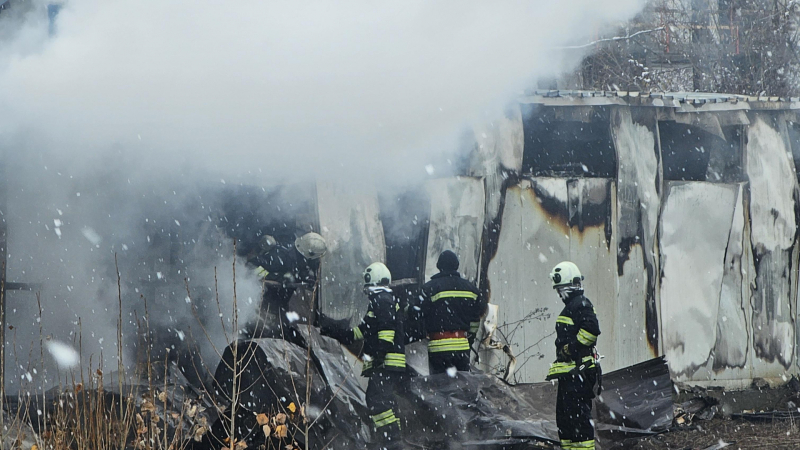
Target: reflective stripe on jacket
{"x":448,"y":303}
{"x":577,"y":330}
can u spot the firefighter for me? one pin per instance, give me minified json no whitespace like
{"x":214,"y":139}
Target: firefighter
{"x":383,"y":352}
{"x":576,"y":367}
{"x":450,"y":310}
{"x":282,"y":269}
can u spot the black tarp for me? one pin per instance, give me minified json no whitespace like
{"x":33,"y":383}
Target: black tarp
{"x":272,"y":379}
{"x":637,"y":397}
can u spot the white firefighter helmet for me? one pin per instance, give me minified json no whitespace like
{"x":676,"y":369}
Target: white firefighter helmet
{"x":311,"y":245}
{"x":377,"y":274}
{"x":266,"y":243}
{"x":565,"y":273}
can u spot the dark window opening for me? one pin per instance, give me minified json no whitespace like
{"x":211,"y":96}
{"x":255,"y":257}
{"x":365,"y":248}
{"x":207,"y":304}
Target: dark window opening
{"x":405,"y":216}
{"x":690,"y":153}
{"x":569,"y":148}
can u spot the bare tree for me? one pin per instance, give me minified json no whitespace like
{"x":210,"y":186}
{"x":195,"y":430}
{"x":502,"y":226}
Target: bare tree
{"x":733,"y":46}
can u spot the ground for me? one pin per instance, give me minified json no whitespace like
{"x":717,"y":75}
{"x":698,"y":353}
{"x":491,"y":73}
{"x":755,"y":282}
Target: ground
{"x":739,"y":433}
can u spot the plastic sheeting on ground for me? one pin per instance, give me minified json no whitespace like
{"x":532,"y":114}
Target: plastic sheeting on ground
{"x":637,"y":397}
{"x":273,"y":380}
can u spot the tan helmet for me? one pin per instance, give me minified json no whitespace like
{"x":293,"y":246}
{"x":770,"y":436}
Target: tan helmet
{"x":266,"y":244}
{"x":377,"y":274}
{"x":311,"y":245}
{"x":565,"y":273}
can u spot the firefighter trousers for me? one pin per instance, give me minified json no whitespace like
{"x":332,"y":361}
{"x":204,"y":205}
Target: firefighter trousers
{"x":439,"y":362}
{"x":574,"y":410}
{"x":382,"y":407}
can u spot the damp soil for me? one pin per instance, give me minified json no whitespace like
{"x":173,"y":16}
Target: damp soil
{"x":738,"y":433}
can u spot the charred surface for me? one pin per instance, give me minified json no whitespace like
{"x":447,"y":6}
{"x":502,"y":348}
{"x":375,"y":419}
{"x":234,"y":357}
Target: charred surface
{"x":554,"y":146}
{"x":556,"y":208}
{"x":491,"y":233}
{"x":691,"y":153}
{"x":589,"y":205}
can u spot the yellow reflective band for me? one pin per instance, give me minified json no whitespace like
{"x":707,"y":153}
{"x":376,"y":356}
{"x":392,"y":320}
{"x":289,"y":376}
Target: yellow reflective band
{"x":583,"y":445}
{"x":386,"y":335}
{"x":386,"y":414}
{"x":367,"y":365}
{"x":454,"y":294}
{"x":395,"y":360}
{"x":560,"y":368}
{"x":384,"y":418}
{"x":262,"y":272}
{"x":474,"y":327}
{"x":448,"y":345}
{"x":566,"y":444}
{"x":370,"y":314}
{"x":357,"y":335}
{"x":586,"y":338}
{"x":565,"y":319}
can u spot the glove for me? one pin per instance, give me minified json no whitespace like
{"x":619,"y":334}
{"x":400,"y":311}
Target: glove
{"x":262,"y":272}
{"x":567,"y":352}
{"x":332,"y":327}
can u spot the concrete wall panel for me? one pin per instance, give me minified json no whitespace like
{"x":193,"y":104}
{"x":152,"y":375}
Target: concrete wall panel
{"x":695,"y":226}
{"x":534,"y":237}
{"x":773,"y":184}
{"x":592,"y":203}
{"x":350,"y":223}
{"x":456,"y":223}
{"x":638,"y":205}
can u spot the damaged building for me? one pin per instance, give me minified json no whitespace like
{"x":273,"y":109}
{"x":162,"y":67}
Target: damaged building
{"x":680,"y":209}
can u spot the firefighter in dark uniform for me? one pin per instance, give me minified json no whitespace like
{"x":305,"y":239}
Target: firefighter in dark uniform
{"x":283,"y":268}
{"x":450,"y":310}
{"x":576,"y":367}
{"x":383,"y":353}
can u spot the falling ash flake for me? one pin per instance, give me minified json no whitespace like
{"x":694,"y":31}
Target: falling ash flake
{"x":188,"y":300}
{"x":57,"y":222}
{"x":292,"y":316}
{"x":177,"y":223}
{"x":542,"y":258}
{"x":65,"y":356}
{"x":451,"y":372}
{"x":92,"y":236}
{"x":429,"y":168}
{"x":58,"y":232}
{"x":159,"y":275}
{"x":181,"y":335}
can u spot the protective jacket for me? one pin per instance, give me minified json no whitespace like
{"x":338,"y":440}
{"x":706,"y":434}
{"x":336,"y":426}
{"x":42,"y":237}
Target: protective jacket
{"x":449,"y":303}
{"x":576,"y":334}
{"x":382,"y":332}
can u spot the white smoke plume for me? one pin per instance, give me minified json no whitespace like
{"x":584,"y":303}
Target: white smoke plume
{"x":119,"y":125}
